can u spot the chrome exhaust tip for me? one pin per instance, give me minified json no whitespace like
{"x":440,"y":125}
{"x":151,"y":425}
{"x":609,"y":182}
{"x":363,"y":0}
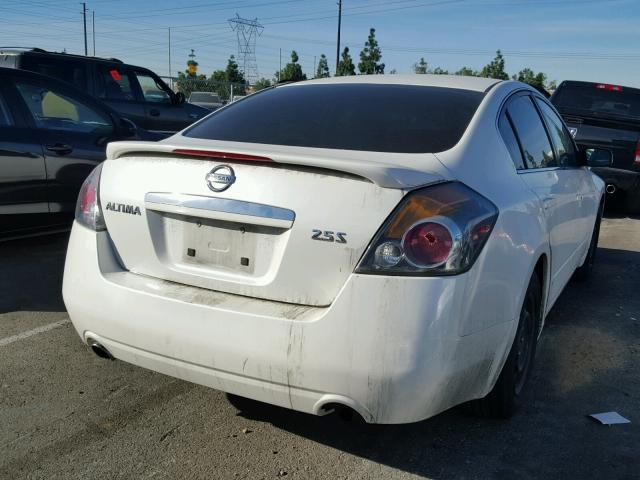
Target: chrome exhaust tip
{"x":99,"y":349}
{"x":610,"y":189}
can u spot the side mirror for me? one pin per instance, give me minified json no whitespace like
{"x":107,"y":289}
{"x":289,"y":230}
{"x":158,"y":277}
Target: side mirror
{"x":128,"y":128}
{"x":179,"y":98}
{"x":598,"y":157}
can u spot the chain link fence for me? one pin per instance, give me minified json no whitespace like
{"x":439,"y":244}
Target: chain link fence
{"x":226,"y":91}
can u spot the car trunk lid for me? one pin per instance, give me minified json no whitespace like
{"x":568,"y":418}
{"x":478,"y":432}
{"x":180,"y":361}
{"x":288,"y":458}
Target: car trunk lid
{"x":291,"y":228}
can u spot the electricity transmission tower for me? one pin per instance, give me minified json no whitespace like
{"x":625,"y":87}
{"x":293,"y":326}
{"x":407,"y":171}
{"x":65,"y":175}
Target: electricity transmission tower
{"x":247,"y":31}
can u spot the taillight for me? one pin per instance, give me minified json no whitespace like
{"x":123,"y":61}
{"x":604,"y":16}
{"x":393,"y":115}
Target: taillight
{"x":636,"y":159}
{"x":437,"y":230}
{"x":88,"y":209}
{"x":609,"y":87}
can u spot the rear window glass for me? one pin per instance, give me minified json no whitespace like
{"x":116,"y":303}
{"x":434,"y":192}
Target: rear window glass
{"x":599,"y":99}
{"x":380,"y":118}
{"x":63,"y":69}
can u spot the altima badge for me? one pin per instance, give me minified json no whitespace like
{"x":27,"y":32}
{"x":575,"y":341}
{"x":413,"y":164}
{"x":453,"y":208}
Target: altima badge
{"x":220,"y":178}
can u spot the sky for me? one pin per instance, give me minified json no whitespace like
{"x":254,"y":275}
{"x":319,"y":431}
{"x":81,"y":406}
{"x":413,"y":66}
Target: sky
{"x":594,"y":40}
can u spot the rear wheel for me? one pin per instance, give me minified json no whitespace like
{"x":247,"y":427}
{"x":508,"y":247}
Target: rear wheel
{"x":633,"y":202}
{"x":506,"y":395}
{"x":583,"y":271}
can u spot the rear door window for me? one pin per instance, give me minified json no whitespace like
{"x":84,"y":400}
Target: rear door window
{"x":530,"y":130}
{"x":510,"y":140}
{"x":562,"y":143}
{"x":367,"y":117}
{"x":114,"y":83}
{"x":53,"y":110}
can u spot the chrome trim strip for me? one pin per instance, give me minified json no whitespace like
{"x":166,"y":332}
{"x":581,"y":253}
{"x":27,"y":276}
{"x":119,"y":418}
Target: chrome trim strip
{"x":225,"y":205}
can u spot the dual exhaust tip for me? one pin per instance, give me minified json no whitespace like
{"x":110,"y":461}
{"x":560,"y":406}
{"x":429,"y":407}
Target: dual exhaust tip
{"x":99,"y":349}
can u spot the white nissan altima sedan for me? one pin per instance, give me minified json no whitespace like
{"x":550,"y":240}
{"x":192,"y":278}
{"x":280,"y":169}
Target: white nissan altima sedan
{"x":386,"y":244}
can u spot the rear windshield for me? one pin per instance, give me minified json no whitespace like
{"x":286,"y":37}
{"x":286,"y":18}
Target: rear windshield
{"x":379,"y":118}
{"x":599,"y":100}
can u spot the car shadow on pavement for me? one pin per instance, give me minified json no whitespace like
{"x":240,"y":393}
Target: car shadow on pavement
{"x":587,"y":362}
{"x":36,"y":267}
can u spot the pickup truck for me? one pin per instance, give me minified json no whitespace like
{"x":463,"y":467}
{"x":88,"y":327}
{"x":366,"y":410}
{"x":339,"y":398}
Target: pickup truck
{"x":605,"y":116}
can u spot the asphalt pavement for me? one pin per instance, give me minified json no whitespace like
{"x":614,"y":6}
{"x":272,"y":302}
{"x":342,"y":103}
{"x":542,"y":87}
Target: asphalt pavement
{"x":66,"y":414}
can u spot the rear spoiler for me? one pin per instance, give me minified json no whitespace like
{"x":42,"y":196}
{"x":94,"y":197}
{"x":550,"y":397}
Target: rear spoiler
{"x":382,"y":174}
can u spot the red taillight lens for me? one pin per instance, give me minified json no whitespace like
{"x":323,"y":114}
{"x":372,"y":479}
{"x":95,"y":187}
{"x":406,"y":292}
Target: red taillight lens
{"x":437,"y":230}
{"x":609,"y":87}
{"x":427,"y":244}
{"x":636,"y":159}
{"x":88,"y":209}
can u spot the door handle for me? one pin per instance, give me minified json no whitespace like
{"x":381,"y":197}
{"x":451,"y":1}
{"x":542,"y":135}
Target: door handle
{"x":59,"y":148}
{"x":154,"y":112}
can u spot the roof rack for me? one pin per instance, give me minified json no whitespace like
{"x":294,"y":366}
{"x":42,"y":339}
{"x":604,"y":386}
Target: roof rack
{"x":40,"y":50}
{"x":30,"y":49}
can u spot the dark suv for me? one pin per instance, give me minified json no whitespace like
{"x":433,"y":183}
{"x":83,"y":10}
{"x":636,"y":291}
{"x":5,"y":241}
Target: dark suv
{"x":605,"y":116}
{"x":51,"y":137}
{"x":134,"y":92}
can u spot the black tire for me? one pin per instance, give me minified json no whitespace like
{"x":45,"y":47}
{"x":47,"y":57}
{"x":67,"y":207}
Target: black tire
{"x":632,"y":203}
{"x":583,"y":272}
{"x":506,"y":396}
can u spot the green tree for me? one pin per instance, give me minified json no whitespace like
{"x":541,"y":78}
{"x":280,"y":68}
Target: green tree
{"x":536,"y":80}
{"x":345,"y":65}
{"x":421,"y":66}
{"x":292,"y":71}
{"x":323,"y":67}
{"x":467,"y":72}
{"x":233,"y":73}
{"x":370,"y":56}
{"x":222,"y":80}
{"x":261,"y":84}
{"x":495,"y":69}
{"x":439,"y":71}
{"x":393,"y":71}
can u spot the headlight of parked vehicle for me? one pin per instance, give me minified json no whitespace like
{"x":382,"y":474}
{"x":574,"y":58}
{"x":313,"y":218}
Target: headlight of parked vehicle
{"x":437,"y":230}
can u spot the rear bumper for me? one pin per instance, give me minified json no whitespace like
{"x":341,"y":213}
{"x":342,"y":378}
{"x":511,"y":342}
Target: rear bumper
{"x":389,"y":347}
{"x":625,"y":180}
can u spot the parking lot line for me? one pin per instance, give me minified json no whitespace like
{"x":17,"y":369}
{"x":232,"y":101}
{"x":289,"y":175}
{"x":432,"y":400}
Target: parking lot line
{"x":29,"y":333}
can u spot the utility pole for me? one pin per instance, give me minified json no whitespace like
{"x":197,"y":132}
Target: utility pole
{"x":84,"y":19}
{"x":93,"y":30}
{"x":280,"y":69}
{"x":170,"y":76}
{"x":314,"y":66}
{"x":338,"y":44}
